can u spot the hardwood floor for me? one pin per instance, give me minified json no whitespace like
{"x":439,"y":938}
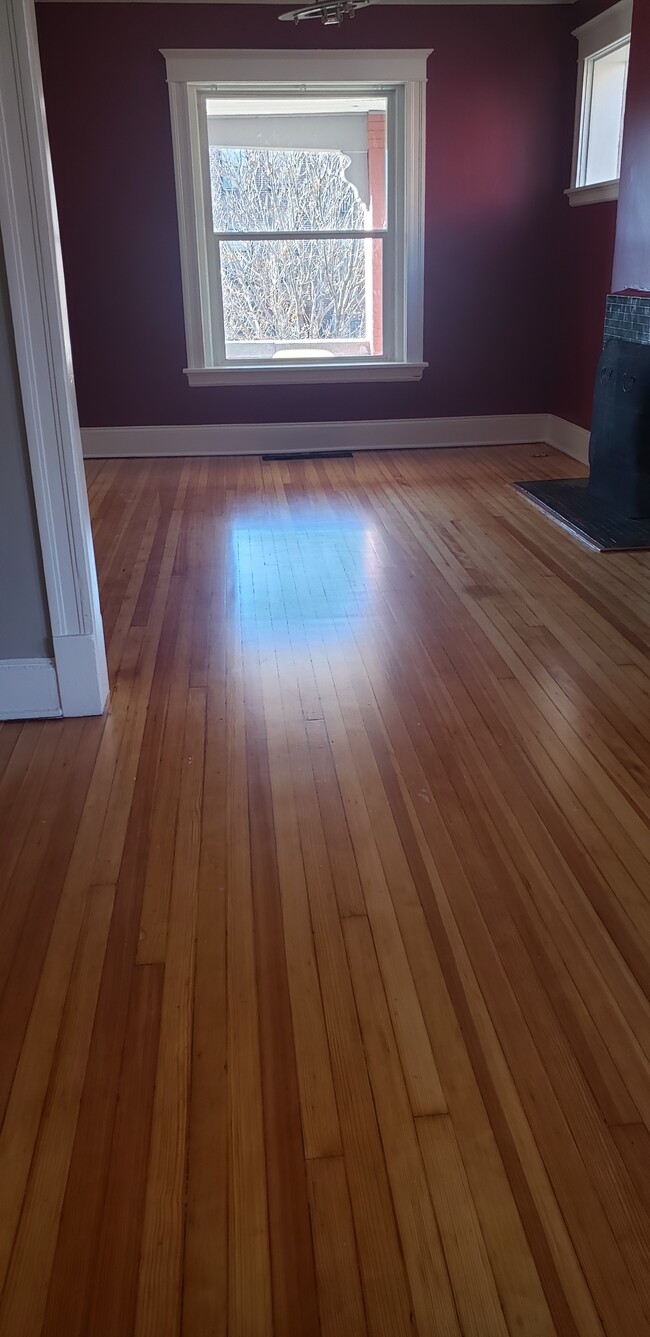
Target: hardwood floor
{"x":324,"y":955}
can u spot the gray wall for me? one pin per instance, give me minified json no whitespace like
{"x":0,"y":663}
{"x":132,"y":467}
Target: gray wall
{"x":24,"y":621}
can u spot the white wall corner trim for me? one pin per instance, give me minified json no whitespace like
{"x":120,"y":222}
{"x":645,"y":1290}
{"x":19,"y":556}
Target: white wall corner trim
{"x":296,"y":437}
{"x":30,"y":236}
{"x":83,"y":685}
{"x":28,"y":687}
{"x":568,"y":438}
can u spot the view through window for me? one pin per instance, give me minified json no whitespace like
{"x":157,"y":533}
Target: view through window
{"x":605,"y":89}
{"x":298,"y":192}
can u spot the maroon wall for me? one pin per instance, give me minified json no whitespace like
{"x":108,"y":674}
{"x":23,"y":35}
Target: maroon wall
{"x":584,"y":278}
{"x":632,"y":258}
{"x":585,"y":255}
{"x":584,"y":10}
{"x":498,"y":146}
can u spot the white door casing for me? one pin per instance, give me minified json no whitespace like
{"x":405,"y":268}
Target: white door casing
{"x":28,"y":223}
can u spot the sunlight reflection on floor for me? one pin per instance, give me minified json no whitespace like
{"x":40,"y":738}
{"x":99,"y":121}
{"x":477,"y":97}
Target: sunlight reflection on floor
{"x":307,"y":576}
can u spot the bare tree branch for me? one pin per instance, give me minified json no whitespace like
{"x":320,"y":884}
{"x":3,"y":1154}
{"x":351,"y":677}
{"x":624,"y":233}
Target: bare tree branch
{"x":285,"y":291}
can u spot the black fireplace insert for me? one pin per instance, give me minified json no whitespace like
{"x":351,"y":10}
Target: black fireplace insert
{"x":610,"y":509}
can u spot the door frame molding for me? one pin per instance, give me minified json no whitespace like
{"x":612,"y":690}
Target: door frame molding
{"x":29,"y":227}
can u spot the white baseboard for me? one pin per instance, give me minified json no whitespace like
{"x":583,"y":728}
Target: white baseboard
{"x":295,"y":437}
{"x":82,"y":674}
{"x":568,"y":438}
{"x":28,"y":689}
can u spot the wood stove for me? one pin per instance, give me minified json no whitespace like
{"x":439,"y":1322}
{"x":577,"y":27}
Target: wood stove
{"x":611,"y":509}
{"x":619,"y":451}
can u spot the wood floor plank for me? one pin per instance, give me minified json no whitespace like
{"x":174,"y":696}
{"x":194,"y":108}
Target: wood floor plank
{"x":19,"y":741}
{"x":633,"y":1142}
{"x":483,"y":799}
{"x":249,"y":1256}
{"x":325,"y":954}
{"x":349,"y":892}
{"x":161,"y":1255}
{"x":28,"y":926}
{"x":473,"y":1285}
{"x":77,"y":1243}
{"x":20,"y":1127}
{"x":415,"y":1049}
{"x":433,"y":1302}
{"x":340,"y":1300}
{"x":388,"y":1303}
{"x":320,"y":1125}
{"x":35,"y":843}
{"x":577,"y":769}
{"x":292,"y":1259}
{"x":566,"y":916}
{"x":25,"y":1291}
{"x":115,"y":1280}
{"x":205,"y":1259}
{"x":523,"y":980}
{"x":20,"y":800}
{"x":445,"y":990}
{"x":612,"y":1283}
{"x":157,"y":886}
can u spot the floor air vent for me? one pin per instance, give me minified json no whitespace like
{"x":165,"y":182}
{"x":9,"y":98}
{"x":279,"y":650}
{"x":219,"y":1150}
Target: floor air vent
{"x":310,"y":455}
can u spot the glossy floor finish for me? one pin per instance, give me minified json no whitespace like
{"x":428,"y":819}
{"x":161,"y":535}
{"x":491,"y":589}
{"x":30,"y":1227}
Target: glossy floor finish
{"x":323,"y":955}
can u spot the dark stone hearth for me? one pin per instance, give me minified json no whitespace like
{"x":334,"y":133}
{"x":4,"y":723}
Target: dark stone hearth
{"x":570,"y":502}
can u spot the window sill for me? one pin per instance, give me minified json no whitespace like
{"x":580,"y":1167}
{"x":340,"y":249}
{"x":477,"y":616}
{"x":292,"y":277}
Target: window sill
{"x":316,"y":373}
{"x":604,"y":190}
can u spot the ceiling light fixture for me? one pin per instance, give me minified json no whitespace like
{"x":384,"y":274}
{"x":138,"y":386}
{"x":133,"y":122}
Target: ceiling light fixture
{"x":330,"y":12}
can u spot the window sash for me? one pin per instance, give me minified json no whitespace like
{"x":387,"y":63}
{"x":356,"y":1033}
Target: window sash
{"x":393,"y":331}
{"x":386,"y":354}
{"x":586,"y":116}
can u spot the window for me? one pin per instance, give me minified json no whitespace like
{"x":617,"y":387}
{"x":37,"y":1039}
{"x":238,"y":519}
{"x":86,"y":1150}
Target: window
{"x":604,"y":53}
{"x":300,"y":185}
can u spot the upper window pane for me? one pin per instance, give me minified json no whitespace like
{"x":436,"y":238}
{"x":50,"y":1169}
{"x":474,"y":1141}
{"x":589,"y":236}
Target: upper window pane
{"x":604,"y":128}
{"x":297,"y":164}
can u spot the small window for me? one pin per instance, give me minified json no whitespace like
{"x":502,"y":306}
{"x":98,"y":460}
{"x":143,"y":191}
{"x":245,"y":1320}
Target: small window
{"x":300,"y":196}
{"x":604,"y":53}
{"x":604,"y":112}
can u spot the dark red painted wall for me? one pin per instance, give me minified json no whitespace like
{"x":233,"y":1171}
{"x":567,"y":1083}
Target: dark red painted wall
{"x":632,"y":258}
{"x":585,"y":255}
{"x":599,"y":238}
{"x":584,"y":278}
{"x":584,"y":10}
{"x":497,"y":163}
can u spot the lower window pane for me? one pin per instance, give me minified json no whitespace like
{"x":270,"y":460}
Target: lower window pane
{"x":302,"y":299}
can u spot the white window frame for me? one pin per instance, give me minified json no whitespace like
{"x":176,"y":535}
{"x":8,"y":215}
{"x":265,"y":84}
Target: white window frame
{"x":604,"y":33}
{"x":190,"y":74}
